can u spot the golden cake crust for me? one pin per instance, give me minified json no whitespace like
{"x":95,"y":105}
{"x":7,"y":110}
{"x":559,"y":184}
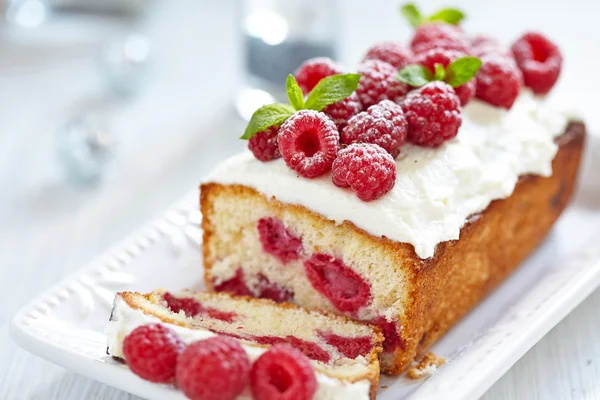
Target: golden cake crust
{"x":443,"y":288}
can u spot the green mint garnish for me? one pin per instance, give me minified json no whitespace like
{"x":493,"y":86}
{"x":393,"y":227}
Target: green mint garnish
{"x":412,"y":14}
{"x":328,"y":91}
{"x":332,"y":89}
{"x":440,"y":72}
{"x":415,"y":75}
{"x":267,"y":116}
{"x":414,"y":17}
{"x":462,"y":70}
{"x":458,"y":72}
{"x":294,"y":93}
{"x":451,"y":16}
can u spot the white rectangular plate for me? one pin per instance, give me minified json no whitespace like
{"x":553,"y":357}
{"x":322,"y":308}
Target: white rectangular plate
{"x":65,"y":325}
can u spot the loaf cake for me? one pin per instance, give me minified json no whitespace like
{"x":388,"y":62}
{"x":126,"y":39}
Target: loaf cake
{"x":344,"y":353}
{"x":408,"y":199}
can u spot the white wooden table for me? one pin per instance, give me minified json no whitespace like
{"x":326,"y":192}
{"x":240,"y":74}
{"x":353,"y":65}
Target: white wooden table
{"x":170,"y":136}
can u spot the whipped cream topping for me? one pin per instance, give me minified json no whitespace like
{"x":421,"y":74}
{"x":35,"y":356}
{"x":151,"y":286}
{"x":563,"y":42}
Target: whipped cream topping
{"x":125,"y":319}
{"x":436,"y":190}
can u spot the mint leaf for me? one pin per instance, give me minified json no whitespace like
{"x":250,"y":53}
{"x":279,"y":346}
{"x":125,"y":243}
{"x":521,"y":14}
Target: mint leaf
{"x":440,"y":72}
{"x":448,"y":15}
{"x":462,"y":70}
{"x":412,"y":14}
{"x":267,"y":116}
{"x":415,"y":75}
{"x":330,"y":90}
{"x":294,"y":93}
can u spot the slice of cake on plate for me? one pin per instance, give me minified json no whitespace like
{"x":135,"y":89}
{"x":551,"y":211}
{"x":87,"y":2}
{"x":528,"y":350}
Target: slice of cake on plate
{"x":344,"y":354}
{"x":407,"y":214}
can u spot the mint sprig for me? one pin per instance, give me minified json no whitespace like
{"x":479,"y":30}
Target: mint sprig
{"x":267,"y":116}
{"x":328,"y":91}
{"x":414,"y":17}
{"x":458,"y":72}
{"x":332,"y":89}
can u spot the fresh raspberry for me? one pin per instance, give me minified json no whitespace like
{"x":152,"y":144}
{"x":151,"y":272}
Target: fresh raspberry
{"x":499,"y":81}
{"x":283,"y":373}
{"x":378,"y":82}
{"x":217,"y":368}
{"x":264,"y":144}
{"x":439,"y":35}
{"x":344,"y":288}
{"x":441,"y":56}
{"x":277,"y":240}
{"x":271,"y":290}
{"x":390,"y":333}
{"x":391,"y":52}
{"x":235,"y":285}
{"x":342,"y":111}
{"x":433,"y":114}
{"x":191,"y":308}
{"x":540,"y":61}
{"x":151,"y":352}
{"x":383,"y":124}
{"x":313,"y":70}
{"x":309,"y":142}
{"x":483,"y":45}
{"x":350,"y":347}
{"x":367,"y":168}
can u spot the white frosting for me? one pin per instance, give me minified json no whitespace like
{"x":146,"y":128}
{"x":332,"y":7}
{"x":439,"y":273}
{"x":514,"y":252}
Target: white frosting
{"x":436,"y":190}
{"x":125,"y":319}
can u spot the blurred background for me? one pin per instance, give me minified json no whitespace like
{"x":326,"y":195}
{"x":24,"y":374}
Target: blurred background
{"x":111,"y":110}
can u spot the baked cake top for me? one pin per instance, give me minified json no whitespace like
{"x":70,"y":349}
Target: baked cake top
{"x":436,"y":189}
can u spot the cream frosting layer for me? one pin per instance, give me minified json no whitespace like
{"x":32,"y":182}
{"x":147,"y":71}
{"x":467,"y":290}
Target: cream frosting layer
{"x":125,"y":319}
{"x":436,"y":190}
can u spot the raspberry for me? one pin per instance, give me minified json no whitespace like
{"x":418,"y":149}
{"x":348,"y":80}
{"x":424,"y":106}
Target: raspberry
{"x":151,"y":352}
{"x":270,"y":290}
{"x":235,"y":285}
{"x":217,"y":368}
{"x":312,"y":71}
{"x":342,"y":111}
{"x":278,"y":240}
{"x":482,"y":45}
{"x":390,"y":333}
{"x":433,"y":114}
{"x":391,"y":52}
{"x":379,"y":82}
{"x":439,"y":35}
{"x":498,"y":81}
{"x":540,"y":61}
{"x":367,"y":168}
{"x":283,"y":373}
{"x":344,"y":288}
{"x":441,"y":56}
{"x":309,"y":142}
{"x":264,"y":144}
{"x":349,"y":347}
{"x":191,"y":307}
{"x":383,"y":124}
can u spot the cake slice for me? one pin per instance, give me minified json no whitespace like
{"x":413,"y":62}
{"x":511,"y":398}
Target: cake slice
{"x":344,"y":353}
{"x":459,"y":220}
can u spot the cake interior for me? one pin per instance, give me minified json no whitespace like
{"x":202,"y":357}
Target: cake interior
{"x":259,"y":248}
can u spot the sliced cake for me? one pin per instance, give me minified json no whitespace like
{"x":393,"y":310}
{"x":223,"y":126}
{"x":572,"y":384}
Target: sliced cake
{"x":407,"y":214}
{"x":344,"y":353}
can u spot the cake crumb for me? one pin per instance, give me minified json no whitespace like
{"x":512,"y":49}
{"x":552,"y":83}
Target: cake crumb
{"x":426,"y":367}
